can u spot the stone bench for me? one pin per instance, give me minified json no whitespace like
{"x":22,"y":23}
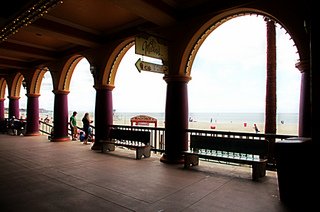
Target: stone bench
{"x":138,"y":140}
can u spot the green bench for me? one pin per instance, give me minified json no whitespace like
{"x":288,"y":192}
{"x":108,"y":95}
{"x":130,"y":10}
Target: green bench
{"x":138,"y":140}
{"x":233,"y":150}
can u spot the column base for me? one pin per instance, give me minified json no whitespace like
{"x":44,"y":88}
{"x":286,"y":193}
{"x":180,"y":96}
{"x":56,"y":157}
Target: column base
{"x":96,"y":146}
{"x":32,"y":134}
{"x":172,"y":160}
{"x":60,"y":139}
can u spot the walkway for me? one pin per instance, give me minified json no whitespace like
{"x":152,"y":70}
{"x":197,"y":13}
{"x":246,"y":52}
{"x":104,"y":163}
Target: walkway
{"x":38,"y":175}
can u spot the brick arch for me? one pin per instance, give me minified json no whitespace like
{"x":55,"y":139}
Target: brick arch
{"x":14,"y":91}
{"x":205,"y":30}
{"x":114,"y":61}
{"x":37,"y":80}
{"x":3,"y":84}
{"x":67,"y":71}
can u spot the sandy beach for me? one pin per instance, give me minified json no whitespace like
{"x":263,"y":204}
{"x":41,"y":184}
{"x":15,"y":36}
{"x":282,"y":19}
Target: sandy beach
{"x":285,"y":129}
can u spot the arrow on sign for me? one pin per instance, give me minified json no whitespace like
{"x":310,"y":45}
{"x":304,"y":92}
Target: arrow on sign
{"x":146,"y":66}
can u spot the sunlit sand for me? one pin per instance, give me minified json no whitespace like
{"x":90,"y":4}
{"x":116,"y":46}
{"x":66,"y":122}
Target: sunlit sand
{"x":286,"y":129}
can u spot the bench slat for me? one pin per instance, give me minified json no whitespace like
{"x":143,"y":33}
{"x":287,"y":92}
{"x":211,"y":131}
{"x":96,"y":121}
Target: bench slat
{"x":231,"y":150}
{"x":248,"y":161}
{"x":138,"y":140}
{"x":246,"y":146}
{"x":130,"y":135}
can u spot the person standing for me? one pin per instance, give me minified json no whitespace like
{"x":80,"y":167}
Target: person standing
{"x":47,"y":120}
{"x":86,"y":125}
{"x":73,"y":126}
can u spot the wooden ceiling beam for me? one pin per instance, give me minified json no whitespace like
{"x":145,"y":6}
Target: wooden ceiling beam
{"x":64,"y":32}
{"x":13,"y":64}
{"x":27,"y":51}
{"x":150,"y":11}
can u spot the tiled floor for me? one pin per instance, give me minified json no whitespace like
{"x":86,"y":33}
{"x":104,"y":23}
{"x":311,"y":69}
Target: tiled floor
{"x":38,"y":175}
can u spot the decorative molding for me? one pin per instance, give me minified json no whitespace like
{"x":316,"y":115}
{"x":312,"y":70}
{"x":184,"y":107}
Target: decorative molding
{"x":28,"y":17}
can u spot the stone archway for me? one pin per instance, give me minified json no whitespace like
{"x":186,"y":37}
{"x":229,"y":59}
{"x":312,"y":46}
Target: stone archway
{"x":209,"y":26}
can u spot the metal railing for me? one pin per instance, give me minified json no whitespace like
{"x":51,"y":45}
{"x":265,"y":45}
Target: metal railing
{"x":157,"y":139}
{"x":46,"y":128}
{"x":272,"y":138}
{"x":228,"y":134}
{"x":157,"y":136}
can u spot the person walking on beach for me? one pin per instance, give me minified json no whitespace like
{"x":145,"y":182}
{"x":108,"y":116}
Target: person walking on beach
{"x":256,"y":128}
{"x":86,"y":124}
{"x":73,"y":126}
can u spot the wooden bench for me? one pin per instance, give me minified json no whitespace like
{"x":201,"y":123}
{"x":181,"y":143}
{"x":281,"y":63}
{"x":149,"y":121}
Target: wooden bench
{"x":138,"y":140}
{"x":234,"y":150}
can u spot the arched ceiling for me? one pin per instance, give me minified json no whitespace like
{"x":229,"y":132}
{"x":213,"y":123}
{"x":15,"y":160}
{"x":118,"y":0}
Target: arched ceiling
{"x":37,"y":32}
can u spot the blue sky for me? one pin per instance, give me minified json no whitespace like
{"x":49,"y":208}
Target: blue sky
{"x":228,"y":75}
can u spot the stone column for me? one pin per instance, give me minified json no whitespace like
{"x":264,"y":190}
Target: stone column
{"x":2,"y":122}
{"x":60,"y":116}
{"x":103,"y":114}
{"x":14,"y":107}
{"x":305,"y":102}
{"x":314,"y":34}
{"x":32,"y":115}
{"x":1,"y":110}
{"x":176,"y":119}
{"x":271,"y":88}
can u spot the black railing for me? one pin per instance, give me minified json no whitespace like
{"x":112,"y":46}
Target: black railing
{"x":228,"y":134}
{"x":157,"y":136}
{"x":46,"y":128}
{"x":272,"y":138}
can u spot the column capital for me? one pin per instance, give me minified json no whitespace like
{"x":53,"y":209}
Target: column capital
{"x":303,"y":66}
{"x":32,"y":95}
{"x":104,"y":87}
{"x":14,"y":97}
{"x":61,"y":92}
{"x":176,"y":78}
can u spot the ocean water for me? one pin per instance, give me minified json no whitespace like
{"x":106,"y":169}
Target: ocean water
{"x":283,"y":118}
{"x":287,"y":123}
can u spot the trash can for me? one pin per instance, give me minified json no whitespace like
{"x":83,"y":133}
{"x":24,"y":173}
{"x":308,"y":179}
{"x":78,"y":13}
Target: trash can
{"x":296,"y":172}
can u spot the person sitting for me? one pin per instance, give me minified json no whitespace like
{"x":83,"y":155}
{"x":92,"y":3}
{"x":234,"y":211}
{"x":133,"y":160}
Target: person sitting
{"x":90,"y":134}
{"x":51,"y":136}
{"x":82,"y":136}
{"x":12,"y":126}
